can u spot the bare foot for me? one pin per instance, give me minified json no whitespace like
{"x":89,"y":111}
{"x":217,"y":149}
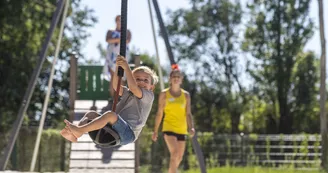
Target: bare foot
{"x":68,"y":135}
{"x":74,"y":129}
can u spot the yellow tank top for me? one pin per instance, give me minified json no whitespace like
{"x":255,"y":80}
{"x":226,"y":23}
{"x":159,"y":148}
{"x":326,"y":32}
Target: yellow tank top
{"x":175,"y":113}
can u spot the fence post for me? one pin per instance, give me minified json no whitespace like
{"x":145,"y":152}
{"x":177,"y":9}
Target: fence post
{"x":72,"y":85}
{"x":136,"y":156}
{"x":242,"y":148}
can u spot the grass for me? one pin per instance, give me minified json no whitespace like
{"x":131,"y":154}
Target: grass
{"x":228,"y":169}
{"x":251,"y":170}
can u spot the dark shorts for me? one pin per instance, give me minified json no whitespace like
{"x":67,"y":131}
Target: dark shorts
{"x":124,"y":131}
{"x":180,"y":137}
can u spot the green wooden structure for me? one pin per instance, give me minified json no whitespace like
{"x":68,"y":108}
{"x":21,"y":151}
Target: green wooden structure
{"x":91,"y":83}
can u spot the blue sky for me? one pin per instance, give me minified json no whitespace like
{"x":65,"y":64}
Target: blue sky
{"x":140,"y":26}
{"x":138,"y":22}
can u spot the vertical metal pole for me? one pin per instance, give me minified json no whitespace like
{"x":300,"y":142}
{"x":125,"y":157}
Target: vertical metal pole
{"x":28,"y":94}
{"x":323,"y":93}
{"x":120,"y":71}
{"x":46,"y":100}
{"x":136,"y":143}
{"x":156,"y":47}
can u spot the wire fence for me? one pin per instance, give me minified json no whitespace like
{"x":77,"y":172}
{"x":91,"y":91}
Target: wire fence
{"x":298,"y":151}
{"x":301,"y":151}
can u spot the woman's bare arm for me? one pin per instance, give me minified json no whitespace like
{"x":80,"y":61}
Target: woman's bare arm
{"x":160,"y":111}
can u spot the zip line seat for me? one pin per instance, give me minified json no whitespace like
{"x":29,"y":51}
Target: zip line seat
{"x":93,"y":86}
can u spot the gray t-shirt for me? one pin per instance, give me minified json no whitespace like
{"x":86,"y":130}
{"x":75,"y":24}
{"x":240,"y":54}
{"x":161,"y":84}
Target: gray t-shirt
{"x":135,"y":111}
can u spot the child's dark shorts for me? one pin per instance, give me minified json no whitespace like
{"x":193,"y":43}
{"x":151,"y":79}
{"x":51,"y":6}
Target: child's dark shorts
{"x":124,"y":131}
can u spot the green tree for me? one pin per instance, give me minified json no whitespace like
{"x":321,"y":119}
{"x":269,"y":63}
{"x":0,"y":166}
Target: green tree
{"x":206,"y":38}
{"x":304,"y":105}
{"x":276,"y":32}
{"x":253,"y":119}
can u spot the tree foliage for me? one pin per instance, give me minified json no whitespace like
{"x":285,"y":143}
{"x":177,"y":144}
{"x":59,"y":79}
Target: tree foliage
{"x":24,"y":25}
{"x":275,"y":35}
{"x":283,"y":87}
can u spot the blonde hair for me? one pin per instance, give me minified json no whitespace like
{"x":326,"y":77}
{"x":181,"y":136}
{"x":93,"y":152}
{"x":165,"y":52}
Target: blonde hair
{"x":149,"y":71}
{"x":175,"y":71}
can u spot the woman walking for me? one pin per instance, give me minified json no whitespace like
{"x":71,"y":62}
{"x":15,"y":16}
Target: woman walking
{"x":174,"y":102}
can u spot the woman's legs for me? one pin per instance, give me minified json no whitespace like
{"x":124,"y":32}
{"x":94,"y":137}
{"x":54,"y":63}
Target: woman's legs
{"x":176,"y":149}
{"x":97,"y":123}
{"x":181,"y":150}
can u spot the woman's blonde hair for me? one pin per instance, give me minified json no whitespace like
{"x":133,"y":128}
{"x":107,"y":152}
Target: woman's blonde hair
{"x":149,"y":71}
